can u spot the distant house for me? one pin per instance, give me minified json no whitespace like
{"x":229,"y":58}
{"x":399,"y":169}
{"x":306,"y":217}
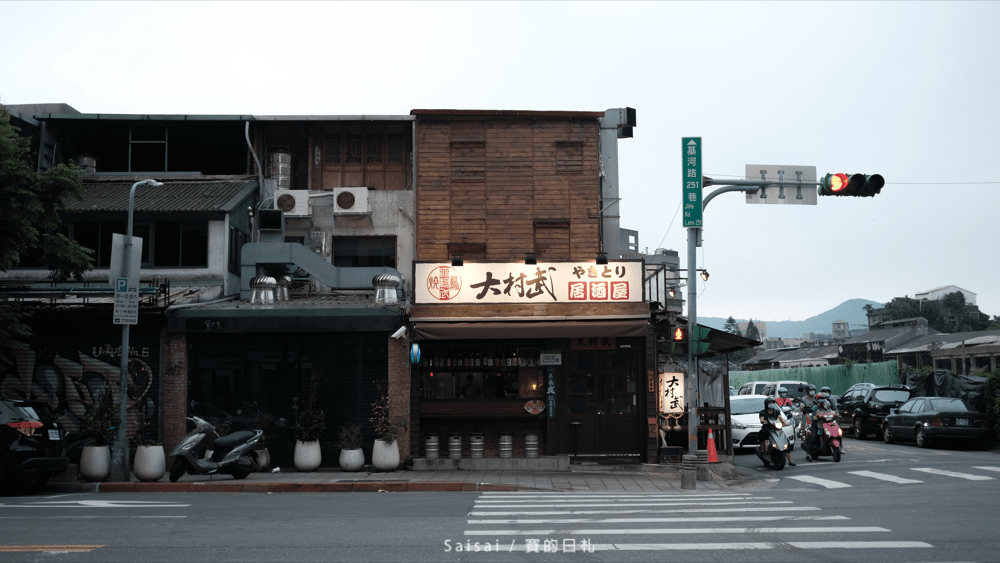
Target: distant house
{"x":939,"y":292}
{"x":841,"y":329}
{"x":961,"y":353}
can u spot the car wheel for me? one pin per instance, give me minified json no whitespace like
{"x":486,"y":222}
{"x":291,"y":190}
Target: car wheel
{"x":860,"y":430}
{"x":887,"y":435}
{"x":922,"y":440}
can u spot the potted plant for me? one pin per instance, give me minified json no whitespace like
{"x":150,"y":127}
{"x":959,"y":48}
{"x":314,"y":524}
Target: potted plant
{"x":260,"y":458}
{"x":99,"y":422}
{"x":352,"y":457}
{"x":385,"y":452}
{"x":310,"y":424}
{"x":150,"y":463}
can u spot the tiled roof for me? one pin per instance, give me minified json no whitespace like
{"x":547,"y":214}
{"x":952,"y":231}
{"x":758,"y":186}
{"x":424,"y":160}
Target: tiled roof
{"x":185,"y":196}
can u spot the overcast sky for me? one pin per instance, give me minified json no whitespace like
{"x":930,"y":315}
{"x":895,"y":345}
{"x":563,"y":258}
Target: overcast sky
{"x":909,"y":90}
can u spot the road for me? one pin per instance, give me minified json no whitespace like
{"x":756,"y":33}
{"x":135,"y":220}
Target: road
{"x":892,"y":503}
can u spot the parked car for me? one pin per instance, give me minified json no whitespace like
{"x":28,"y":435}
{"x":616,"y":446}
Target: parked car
{"x":744,"y":411}
{"x":925,"y":420}
{"x":732,"y":390}
{"x":30,"y":446}
{"x":864,"y":406}
{"x":752,"y":387}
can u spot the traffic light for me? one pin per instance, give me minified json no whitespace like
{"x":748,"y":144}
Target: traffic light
{"x":857,"y":185}
{"x":679,"y":341}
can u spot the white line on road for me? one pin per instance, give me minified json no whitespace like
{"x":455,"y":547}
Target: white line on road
{"x":968,"y":476}
{"x":626,"y":496}
{"x":644,"y":511}
{"x":743,"y":546}
{"x":884,"y":477}
{"x":647,"y":520}
{"x":823,"y":482}
{"x":567,"y":503}
{"x":986,"y":467}
{"x":669,"y":531}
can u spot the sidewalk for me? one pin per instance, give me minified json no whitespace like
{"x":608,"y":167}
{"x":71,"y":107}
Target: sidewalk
{"x":643,"y":478}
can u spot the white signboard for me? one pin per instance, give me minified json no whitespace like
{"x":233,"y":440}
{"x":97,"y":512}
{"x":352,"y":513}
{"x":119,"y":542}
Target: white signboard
{"x":126,"y":301}
{"x":550,"y":282}
{"x":671,"y":393}
{"x":118,"y":258}
{"x":550,"y":358}
{"x":788,"y":194}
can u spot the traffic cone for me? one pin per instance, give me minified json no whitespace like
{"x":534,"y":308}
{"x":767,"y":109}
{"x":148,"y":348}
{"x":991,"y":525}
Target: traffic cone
{"x":713,"y":456}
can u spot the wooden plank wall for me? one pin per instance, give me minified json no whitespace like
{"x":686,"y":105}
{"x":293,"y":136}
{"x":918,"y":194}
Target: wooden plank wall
{"x":514,"y":184}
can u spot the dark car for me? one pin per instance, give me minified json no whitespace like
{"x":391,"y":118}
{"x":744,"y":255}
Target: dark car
{"x":30,"y":446}
{"x":864,"y":406}
{"x":925,"y":420}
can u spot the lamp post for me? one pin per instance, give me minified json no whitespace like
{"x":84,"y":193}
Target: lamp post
{"x":119,"y":461}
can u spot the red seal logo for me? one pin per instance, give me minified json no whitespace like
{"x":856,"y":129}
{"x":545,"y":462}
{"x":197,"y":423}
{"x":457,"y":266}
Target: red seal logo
{"x":444,"y":283}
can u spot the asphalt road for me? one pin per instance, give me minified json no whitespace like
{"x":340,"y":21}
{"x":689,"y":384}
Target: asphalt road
{"x":888,"y":503}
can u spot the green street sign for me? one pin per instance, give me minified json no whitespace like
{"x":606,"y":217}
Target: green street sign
{"x":691,"y":182}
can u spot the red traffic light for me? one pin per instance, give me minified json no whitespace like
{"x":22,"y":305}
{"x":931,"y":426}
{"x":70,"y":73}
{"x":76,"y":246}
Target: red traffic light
{"x":858,"y":185}
{"x":680,"y":334}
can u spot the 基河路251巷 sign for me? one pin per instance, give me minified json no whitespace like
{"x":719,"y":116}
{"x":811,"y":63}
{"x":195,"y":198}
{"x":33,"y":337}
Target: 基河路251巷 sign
{"x":550,"y":282}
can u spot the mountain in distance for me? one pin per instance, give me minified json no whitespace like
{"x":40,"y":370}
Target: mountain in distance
{"x":851,"y":311}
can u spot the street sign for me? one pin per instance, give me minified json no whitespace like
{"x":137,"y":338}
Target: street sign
{"x":126,"y":301}
{"x":118,"y":258}
{"x":790,"y":193}
{"x":691,"y":181}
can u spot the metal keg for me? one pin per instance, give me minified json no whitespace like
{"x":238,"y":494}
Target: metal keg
{"x":506,"y":446}
{"x":455,"y":446}
{"x":431,"y":446}
{"x":531,"y":445}
{"x":477,"y":446}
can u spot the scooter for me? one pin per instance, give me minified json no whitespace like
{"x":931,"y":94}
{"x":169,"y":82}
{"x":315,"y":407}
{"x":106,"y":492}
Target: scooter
{"x":773,"y":449}
{"x":829,"y":435}
{"x":230,"y":453}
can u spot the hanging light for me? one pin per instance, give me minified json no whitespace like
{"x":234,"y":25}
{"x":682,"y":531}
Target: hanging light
{"x":457,"y":260}
{"x":704,"y":274}
{"x":530,"y":259}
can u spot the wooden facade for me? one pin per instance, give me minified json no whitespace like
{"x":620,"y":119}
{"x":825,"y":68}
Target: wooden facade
{"x":498,"y":185}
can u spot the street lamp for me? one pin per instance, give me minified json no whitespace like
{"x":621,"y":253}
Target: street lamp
{"x":119,"y":462}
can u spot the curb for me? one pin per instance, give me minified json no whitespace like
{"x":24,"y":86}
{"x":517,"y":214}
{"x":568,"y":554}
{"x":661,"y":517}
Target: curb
{"x":243,"y":487}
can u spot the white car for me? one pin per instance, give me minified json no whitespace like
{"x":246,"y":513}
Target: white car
{"x":745,"y":423}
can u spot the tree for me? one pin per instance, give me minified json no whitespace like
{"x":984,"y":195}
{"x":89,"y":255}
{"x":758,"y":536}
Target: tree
{"x":31,"y":205}
{"x":731,"y":327}
{"x":752,"y":332}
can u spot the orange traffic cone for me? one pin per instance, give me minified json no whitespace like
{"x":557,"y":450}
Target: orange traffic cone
{"x":713,"y":456}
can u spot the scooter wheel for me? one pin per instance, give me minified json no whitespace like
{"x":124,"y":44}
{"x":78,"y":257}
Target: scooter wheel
{"x":178,"y":470}
{"x":836,"y":454}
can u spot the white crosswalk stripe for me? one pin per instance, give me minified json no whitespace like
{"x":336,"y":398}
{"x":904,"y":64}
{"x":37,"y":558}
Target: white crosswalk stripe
{"x":968,"y":476}
{"x":822,"y":482}
{"x":568,"y":522}
{"x":884,"y":477}
{"x":986,"y":467}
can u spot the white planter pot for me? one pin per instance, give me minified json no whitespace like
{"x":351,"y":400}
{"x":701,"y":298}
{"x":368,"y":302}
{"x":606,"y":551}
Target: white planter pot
{"x":263,"y":460}
{"x":352,"y":460}
{"x":150,"y":463}
{"x":385,"y":456}
{"x":95,"y":463}
{"x":307,"y":455}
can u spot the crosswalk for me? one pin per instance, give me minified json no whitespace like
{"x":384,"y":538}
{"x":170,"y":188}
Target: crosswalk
{"x":553,"y":522}
{"x":898,"y":476}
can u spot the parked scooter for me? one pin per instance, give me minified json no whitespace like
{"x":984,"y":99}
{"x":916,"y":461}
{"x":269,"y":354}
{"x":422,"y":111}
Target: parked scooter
{"x":773,"y":449}
{"x":829,"y":433}
{"x":230,"y":453}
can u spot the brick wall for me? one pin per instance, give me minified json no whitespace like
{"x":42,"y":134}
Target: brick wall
{"x":399,"y":389}
{"x":173,"y":389}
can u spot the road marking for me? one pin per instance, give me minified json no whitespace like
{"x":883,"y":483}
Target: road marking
{"x":884,"y":477}
{"x":568,"y":503}
{"x":770,"y":509}
{"x":968,"y":476}
{"x":79,"y":517}
{"x":822,"y":482}
{"x":646,"y":520}
{"x":61,"y":548}
{"x":742,"y":546}
{"x":626,"y":496}
{"x":97,"y":504}
{"x":986,"y":467}
{"x":669,"y":531}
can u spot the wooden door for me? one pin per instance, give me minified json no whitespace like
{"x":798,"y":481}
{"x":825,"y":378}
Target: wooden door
{"x":600,"y":393}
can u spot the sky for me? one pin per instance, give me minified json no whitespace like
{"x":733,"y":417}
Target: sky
{"x":908,"y":90}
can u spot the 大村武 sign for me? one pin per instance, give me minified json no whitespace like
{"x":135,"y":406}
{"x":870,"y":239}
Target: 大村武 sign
{"x":671,"y":393}
{"x":618,"y":281}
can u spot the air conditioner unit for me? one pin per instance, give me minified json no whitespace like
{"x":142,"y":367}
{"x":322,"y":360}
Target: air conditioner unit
{"x":350,"y":201}
{"x":295,"y":203}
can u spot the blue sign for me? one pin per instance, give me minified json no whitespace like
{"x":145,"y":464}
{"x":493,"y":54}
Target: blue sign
{"x":415,"y":354}
{"x":121,"y":285}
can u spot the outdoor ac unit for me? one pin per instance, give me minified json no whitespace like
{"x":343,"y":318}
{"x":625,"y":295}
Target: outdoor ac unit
{"x":295,"y":203}
{"x":350,"y":201}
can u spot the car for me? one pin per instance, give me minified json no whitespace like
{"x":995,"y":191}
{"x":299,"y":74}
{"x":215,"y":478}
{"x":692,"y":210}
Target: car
{"x":752,"y":387}
{"x":864,"y":406}
{"x":925,"y":420}
{"x":744,"y":410}
{"x":796,"y":389}
{"x":30,"y":446}
{"x":732,"y":390}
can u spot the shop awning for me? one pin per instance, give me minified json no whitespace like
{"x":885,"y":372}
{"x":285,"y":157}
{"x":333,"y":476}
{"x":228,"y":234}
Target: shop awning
{"x":500,"y":330}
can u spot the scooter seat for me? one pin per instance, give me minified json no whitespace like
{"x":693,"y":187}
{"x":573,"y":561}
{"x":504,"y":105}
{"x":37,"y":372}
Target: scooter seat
{"x":230,"y":441}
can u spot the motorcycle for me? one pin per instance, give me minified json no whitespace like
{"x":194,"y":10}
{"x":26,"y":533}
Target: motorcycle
{"x":773,"y":449}
{"x":829,"y":435}
{"x":230,"y":453}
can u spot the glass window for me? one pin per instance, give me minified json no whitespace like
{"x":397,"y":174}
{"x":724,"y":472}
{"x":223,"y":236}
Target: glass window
{"x":168,"y":244}
{"x":948,"y":405}
{"x":194,"y":244}
{"x":891,"y":395}
{"x":745,"y":406}
{"x":353,"y":252}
